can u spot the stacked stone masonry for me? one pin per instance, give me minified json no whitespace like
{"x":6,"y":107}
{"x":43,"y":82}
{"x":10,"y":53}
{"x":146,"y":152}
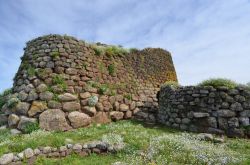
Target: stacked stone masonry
{"x":206,"y":109}
{"x":64,"y":83}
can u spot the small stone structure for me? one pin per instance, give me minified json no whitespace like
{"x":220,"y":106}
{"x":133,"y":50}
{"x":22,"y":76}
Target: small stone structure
{"x":30,"y":155}
{"x":206,"y":109}
{"x":65,"y":83}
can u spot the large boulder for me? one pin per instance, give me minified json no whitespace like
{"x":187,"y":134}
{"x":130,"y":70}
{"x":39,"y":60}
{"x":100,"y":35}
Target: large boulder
{"x":53,"y":119}
{"x":37,"y":107}
{"x":78,"y":119}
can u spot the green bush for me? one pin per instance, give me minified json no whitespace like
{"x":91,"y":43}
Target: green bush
{"x":55,"y":55}
{"x":111,"y":69}
{"x":113,"y":50}
{"x":3,"y":97}
{"x":98,"y":51}
{"x":60,"y":82}
{"x":30,"y":127}
{"x":171,"y":83}
{"x":31,"y":71}
{"x":219,"y":82}
{"x":128,"y":96}
{"x":133,"y":50}
{"x":103,"y":89}
{"x":12,"y":102}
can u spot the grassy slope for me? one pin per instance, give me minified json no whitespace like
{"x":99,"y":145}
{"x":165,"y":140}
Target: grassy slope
{"x":170,"y":145}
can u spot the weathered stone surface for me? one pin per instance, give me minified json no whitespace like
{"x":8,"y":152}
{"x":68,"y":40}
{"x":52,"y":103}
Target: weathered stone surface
{"x":32,"y":96}
{"x":6,"y":158}
{"x":205,"y":136}
{"x":37,"y":107}
{"x":71,"y":106}
{"x":115,"y":116}
{"x":24,"y":121}
{"x":236,"y":107}
{"x":245,"y":113}
{"x":3,"y":119}
{"x":200,"y":114}
{"x":226,"y":113}
{"x":233,"y":122}
{"x":85,"y":95}
{"x":101,"y":118}
{"x":92,"y":101}
{"x":22,"y":96}
{"x":78,"y":119}
{"x":244,"y":121}
{"x":13,"y":120}
{"x":42,"y":88}
{"x":53,"y":119}
{"x":52,"y":104}
{"x":67,"y":97}
{"x":28,"y":153}
{"x":46,"y":96}
{"x":128,"y":114}
{"x":15,"y":132}
{"x":22,"y":108}
{"x":124,"y":107}
{"x":99,"y":107}
{"x":77,"y":147}
{"x":91,"y":111}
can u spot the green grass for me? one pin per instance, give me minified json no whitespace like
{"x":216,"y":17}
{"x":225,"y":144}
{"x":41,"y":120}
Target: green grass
{"x":144,"y":145}
{"x":3,"y":97}
{"x":219,"y":82}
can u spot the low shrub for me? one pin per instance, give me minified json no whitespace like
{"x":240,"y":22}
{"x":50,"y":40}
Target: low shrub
{"x":60,"y":82}
{"x":12,"y":102}
{"x":30,"y":127}
{"x":55,"y":55}
{"x":219,"y":82}
{"x":171,"y":83}
{"x":133,"y":50}
{"x":31,"y":71}
{"x":111,"y":69}
{"x":3,"y":97}
{"x":113,"y":50}
{"x":98,"y":51}
{"x":103,"y":89}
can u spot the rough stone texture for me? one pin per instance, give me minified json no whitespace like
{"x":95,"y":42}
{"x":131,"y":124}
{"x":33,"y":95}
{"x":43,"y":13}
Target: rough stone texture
{"x":24,"y":121}
{"x":13,"y":120}
{"x":71,"y":106}
{"x":3,"y":119}
{"x":78,"y":119}
{"x":53,"y":119}
{"x":6,"y":158}
{"x":101,"y":118}
{"x":115,"y":116}
{"x":37,"y":107}
{"x":28,"y":153}
{"x":205,"y":109}
{"x":67,"y":97}
{"x":70,"y":76}
{"x":22,"y":108}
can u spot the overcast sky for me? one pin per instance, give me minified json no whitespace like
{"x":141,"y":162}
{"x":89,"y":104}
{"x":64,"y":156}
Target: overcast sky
{"x":207,"y":38}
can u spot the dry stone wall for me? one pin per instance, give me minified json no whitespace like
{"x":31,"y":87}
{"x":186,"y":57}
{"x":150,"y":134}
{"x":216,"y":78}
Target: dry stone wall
{"x":64,"y":83}
{"x":206,"y":109}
